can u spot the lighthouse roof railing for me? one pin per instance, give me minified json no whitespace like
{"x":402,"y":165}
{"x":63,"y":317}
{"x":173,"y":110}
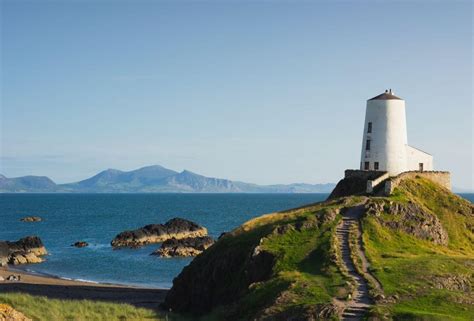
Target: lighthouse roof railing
{"x":385,"y":96}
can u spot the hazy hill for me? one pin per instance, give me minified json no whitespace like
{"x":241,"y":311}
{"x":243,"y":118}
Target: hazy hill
{"x":413,"y":252}
{"x":27,"y":184}
{"x":152,"y":179}
{"x":113,"y":180}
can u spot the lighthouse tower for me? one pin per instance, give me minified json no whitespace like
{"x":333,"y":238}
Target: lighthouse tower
{"x":385,"y":144}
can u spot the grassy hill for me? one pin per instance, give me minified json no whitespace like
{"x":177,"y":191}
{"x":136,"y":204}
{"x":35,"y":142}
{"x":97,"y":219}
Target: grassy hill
{"x":419,"y":243}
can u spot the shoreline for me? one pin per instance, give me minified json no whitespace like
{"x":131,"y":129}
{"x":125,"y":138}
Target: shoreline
{"x":54,"y":287}
{"x":46,"y":278}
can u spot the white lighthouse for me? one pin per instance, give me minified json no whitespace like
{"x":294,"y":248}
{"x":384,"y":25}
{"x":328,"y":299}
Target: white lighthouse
{"x":385,"y":144}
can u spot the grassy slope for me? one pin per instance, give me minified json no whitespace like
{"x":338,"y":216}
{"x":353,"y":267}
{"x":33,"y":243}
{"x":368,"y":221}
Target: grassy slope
{"x":44,"y":309}
{"x":303,"y":275}
{"x":406,"y":265}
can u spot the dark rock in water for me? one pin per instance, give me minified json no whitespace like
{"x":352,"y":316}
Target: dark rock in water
{"x":177,"y":228}
{"x":190,"y":246}
{"x":31,"y":219}
{"x":26,"y":250}
{"x":80,"y":244}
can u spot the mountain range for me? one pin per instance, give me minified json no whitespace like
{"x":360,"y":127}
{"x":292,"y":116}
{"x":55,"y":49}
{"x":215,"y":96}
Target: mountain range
{"x":150,"y":179}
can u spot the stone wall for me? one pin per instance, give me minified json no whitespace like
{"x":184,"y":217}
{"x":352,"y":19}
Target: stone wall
{"x":367,"y":175}
{"x":354,"y":183}
{"x":372,"y":184}
{"x":441,"y":178}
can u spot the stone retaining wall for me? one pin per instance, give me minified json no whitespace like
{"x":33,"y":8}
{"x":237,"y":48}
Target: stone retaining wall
{"x":368,"y":175}
{"x":372,"y":184}
{"x":439,"y":177}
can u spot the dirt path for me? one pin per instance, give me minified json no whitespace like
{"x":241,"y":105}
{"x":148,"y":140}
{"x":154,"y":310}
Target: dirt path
{"x":357,"y":307}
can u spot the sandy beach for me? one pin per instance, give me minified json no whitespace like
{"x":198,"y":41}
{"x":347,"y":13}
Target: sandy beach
{"x":56,"y":288}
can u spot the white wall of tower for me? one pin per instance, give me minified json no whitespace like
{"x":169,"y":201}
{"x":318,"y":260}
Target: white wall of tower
{"x":388,"y":138}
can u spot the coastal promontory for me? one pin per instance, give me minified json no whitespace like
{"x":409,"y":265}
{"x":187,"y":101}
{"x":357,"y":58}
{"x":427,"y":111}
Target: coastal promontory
{"x":406,"y":256}
{"x":177,"y":228}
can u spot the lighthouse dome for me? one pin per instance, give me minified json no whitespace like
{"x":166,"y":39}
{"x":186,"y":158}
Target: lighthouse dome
{"x":387,"y":95}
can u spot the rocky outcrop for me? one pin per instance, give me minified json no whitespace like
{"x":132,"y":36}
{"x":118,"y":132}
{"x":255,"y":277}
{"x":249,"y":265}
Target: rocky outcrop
{"x":205,"y":283}
{"x":304,"y":313}
{"x":410,"y":218}
{"x":31,"y":219}
{"x":7,"y":313}
{"x":24,"y":251}
{"x":190,"y":246}
{"x":452,"y":282}
{"x":80,"y":244}
{"x":349,"y":186}
{"x":177,"y":228}
{"x":4,"y":253}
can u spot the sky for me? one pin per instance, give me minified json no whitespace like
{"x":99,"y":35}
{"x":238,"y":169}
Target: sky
{"x":257,"y":91}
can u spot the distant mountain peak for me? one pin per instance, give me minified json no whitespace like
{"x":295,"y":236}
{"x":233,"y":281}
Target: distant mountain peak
{"x":187,"y":172}
{"x":112,"y":170}
{"x":151,"y":179}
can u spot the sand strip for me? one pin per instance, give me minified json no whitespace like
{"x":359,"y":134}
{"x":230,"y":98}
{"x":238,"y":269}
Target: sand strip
{"x":56,"y":288}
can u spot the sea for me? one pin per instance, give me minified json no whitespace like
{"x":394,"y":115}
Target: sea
{"x":97,"y":218}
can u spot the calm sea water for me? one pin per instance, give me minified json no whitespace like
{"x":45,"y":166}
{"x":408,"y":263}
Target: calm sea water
{"x":97,"y":218}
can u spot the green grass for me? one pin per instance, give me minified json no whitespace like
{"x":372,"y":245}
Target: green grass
{"x":302,"y":275}
{"x":303,"y":266}
{"x":44,"y":309}
{"x":407,"y":266}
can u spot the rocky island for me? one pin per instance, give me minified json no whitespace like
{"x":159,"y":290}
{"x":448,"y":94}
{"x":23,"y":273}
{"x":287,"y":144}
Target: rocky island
{"x":30,"y":219}
{"x":24,"y":251}
{"x":80,"y":244}
{"x":190,"y":246}
{"x":177,"y":228}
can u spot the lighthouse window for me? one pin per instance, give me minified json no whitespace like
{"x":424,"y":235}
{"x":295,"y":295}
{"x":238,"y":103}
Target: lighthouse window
{"x":367,"y":145}
{"x":366,"y":166}
{"x":376,"y":166}
{"x":369,"y":127}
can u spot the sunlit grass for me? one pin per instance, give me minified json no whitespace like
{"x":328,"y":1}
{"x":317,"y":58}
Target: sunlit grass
{"x":41,"y":308}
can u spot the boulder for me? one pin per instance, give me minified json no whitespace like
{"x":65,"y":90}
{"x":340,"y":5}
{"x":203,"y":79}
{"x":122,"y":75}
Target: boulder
{"x":177,"y":228}
{"x":190,"y":246}
{"x":24,"y":251}
{"x":31,"y":219}
{"x":80,"y":244}
{"x":7,"y":313}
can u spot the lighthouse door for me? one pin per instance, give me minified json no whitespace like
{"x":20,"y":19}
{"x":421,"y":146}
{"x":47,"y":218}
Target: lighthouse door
{"x":421,"y":167}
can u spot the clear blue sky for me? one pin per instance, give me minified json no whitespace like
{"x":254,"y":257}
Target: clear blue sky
{"x":264,"y":92}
